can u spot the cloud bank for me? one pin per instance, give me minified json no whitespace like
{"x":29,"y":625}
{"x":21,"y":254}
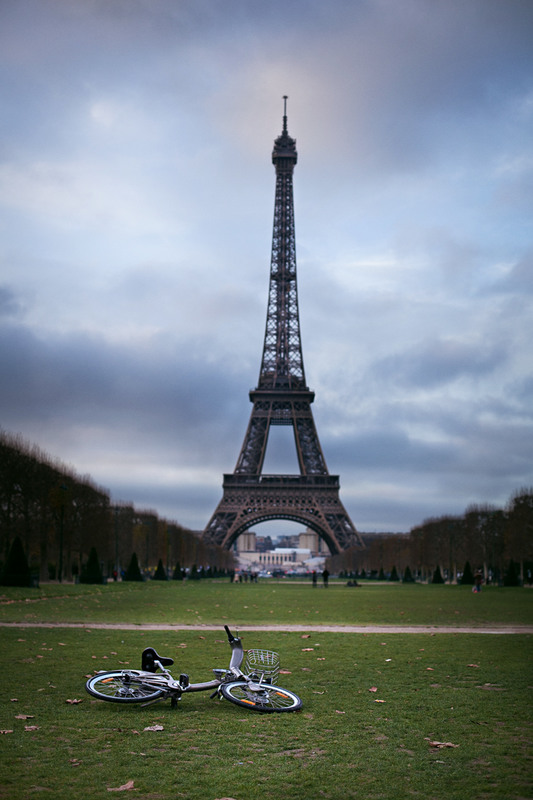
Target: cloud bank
{"x":136,"y":202}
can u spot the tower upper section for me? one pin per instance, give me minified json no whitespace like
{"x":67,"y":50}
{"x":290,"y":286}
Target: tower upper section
{"x":284,"y":155}
{"x":282,"y":363}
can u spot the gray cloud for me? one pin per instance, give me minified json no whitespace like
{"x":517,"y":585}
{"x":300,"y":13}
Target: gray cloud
{"x":439,"y":362}
{"x":136,"y":197}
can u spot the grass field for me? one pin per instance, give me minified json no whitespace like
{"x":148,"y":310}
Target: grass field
{"x":469,"y":691}
{"x":197,"y":602}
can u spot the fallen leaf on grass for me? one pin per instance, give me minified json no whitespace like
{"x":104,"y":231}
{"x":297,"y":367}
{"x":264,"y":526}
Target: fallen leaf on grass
{"x":5,"y":731}
{"x":31,"y":727}
{"x":307,"y":649}
{"x":430,"y":669}
{"x":379,"y":701}
{"x":285,"y":672}
{"x":306,"y":636}
{"x":339,"y":712}
{"x":24,"y":716}
{"x":154,"y":728}
{"x":124,"y":788}
{"x":473,"y":665}
{"x":438,"y":745}
{"x":373,"y":689}
{"x":73,"y":702}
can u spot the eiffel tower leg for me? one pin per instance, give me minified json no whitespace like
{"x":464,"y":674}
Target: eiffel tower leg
{"x":219,"y":526}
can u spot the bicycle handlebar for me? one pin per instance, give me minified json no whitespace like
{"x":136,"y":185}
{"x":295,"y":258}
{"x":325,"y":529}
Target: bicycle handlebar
{"x":231,"y":637}
{"x":237,"y":654}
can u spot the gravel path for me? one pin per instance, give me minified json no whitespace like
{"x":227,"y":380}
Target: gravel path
{"x":492,"y":629}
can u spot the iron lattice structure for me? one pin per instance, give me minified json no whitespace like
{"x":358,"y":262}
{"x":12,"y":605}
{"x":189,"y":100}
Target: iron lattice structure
{"x":282,"y":398}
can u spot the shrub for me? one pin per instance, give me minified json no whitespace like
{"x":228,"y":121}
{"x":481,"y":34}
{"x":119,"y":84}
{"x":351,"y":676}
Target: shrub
{"x":91,"y":572}
{"x":133,"y":573}
{"x":437,"y":576}
{"x":160,"y":573}
{"x":408,"y":576}
{"x":394,"y":575}
{"x":512,"y":576}
{"x":467,"y":578}
{"x":16,"y":571}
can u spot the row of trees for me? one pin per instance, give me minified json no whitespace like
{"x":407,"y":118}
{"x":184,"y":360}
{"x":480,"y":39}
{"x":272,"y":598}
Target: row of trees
{"x":59,"y":517}
{"x":493,"y":541}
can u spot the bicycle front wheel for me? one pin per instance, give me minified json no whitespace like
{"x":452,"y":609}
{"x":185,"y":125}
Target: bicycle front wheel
{"x":266,"y":698}
{"x":123,"y":687}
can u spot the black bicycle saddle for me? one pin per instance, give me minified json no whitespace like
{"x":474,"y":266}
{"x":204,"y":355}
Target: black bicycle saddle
{"x":149,"y":658}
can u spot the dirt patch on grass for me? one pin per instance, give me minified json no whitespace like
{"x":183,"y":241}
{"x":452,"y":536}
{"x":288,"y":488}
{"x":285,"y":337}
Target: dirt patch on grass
{"x":492,"y":629}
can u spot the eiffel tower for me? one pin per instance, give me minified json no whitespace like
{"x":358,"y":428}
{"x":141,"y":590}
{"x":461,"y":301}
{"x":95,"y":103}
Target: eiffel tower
{"x":282,"y":397}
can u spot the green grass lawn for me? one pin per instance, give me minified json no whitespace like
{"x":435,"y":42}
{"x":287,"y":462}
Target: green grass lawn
{"x":196,"y":602}
{"x":349,"y":741}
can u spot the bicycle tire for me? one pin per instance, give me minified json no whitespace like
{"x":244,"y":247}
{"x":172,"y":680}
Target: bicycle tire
{"x":269,"y":699}
{"x":122,"y":686}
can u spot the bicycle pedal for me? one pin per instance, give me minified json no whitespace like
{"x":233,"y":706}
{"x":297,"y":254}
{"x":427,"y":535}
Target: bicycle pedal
{"x":184,"y":680}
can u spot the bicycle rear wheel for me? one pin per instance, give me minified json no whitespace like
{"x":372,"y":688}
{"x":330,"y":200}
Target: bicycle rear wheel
{"x":267,"y":698}
{"x":122,"y":687}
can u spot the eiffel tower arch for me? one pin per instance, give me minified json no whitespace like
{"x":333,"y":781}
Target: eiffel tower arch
{"x":282,"y":397}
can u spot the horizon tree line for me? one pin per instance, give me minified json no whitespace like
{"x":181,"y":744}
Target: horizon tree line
{"x":492,"y":541}
{"x":60,"y":516}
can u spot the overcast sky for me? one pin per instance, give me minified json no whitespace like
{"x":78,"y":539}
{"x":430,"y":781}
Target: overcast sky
{"x":136,"y":207}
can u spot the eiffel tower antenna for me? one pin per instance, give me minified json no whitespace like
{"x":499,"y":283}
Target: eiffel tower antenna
{"x":282,"y":397}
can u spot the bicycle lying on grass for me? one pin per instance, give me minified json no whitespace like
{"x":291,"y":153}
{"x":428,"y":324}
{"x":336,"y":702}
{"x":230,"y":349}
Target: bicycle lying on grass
{"x":254,"y":689}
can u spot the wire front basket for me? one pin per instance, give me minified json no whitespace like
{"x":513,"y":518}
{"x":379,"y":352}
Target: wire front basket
{"x":263,"y":664}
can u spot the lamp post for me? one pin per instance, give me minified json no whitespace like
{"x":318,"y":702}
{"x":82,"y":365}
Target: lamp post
{"x":63,"y":488}
{"x":117,"y":568}
{"x":168,"y":551}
